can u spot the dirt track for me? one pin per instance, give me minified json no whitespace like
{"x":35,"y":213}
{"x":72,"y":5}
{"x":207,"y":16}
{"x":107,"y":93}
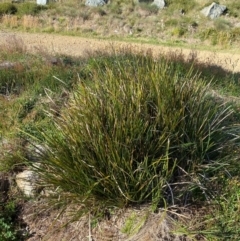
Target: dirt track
{"x":78,"y":46}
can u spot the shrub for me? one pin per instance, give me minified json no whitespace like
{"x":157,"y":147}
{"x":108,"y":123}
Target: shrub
{"x":221,"y":221}
{"x":179,"y":31}
{"x":225,"y":219}
{"x":29,"y":8}
{"x":135,"y":130}
{"x":7,"y":8}
{"x":181,"y":4}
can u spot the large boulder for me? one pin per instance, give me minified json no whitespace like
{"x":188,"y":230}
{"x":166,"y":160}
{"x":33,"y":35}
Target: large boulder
{"x":214,"y":10}
{"x":95,"y":3}
{"x":159,"y":3}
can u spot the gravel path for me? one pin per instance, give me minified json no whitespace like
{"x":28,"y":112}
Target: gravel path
{"x":79,"y":46}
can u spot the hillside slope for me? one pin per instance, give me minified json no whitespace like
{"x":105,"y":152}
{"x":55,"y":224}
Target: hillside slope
{"x":79,"y":46}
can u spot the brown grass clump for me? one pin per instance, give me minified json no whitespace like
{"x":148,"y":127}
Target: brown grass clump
{"x":30,"y":22}
{"x":122,"y":225}
{"x":10,"y":21}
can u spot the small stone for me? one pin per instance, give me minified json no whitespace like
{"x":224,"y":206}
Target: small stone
{"x":159,"y":3}
{"x":26,"y":182}
{"x":7,"y":65}
{"x":95,"y":3}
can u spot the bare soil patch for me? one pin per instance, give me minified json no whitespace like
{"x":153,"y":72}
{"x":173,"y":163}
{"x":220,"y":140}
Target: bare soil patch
{"x":79,"y":46}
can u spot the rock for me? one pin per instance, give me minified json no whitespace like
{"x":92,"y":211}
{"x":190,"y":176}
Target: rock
{"x":7,"y":65}
{"x":95,"y":3}
{"x":159,"y":3}
{"x":26,"y":182}
{"x":214,"y":10}
{"x":41,"y":2}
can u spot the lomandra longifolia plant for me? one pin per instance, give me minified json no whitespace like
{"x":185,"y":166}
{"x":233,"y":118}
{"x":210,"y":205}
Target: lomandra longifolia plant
{"x":134,"y":130}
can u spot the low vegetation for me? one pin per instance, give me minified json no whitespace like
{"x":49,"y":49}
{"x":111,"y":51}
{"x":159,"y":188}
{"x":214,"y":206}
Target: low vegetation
{"x":181,"y":22}
{"x":123,"y":129}
{"x":127,"y":137}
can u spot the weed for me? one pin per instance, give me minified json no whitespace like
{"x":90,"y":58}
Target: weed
{"x":26,"y":108}
{"x":7,"y":231}
{"x":179,"y":31}
{"x":220,"y":220}
{"x":133,"y":223}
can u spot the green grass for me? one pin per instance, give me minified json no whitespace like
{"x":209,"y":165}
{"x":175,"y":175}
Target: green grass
{"x":223,"y":221}
{"x":25,"y":89}
{"x":177,"y":22}
{"x":7,"y":8}
{"x":9,"y":228}
{"x":21,"y":9}
{"x":30,"y":8}
{"x":217,"y":220}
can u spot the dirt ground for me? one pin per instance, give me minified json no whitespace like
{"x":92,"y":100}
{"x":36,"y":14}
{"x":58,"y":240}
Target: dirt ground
{"x":45,"y":225}
{"x":124,"y":225}
{"x":79,"y":46}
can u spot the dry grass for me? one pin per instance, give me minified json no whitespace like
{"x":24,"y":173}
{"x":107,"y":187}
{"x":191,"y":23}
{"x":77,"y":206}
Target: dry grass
{"x":126,"y":19}
{"x":50,"y":225}
{"x":10,"y":21}
{"x":30,"y":23}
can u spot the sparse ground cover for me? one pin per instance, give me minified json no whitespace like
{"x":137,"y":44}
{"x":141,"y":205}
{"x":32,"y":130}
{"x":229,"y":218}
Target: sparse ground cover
{"x":179,"y":23}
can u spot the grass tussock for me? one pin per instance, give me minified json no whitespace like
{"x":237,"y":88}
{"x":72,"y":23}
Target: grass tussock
{"x":137,"y":130}
{"x":125,"y":128}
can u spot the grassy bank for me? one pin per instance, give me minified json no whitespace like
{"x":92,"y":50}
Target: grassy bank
{"x":124,"y":129}
{"x":180,"y":23}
